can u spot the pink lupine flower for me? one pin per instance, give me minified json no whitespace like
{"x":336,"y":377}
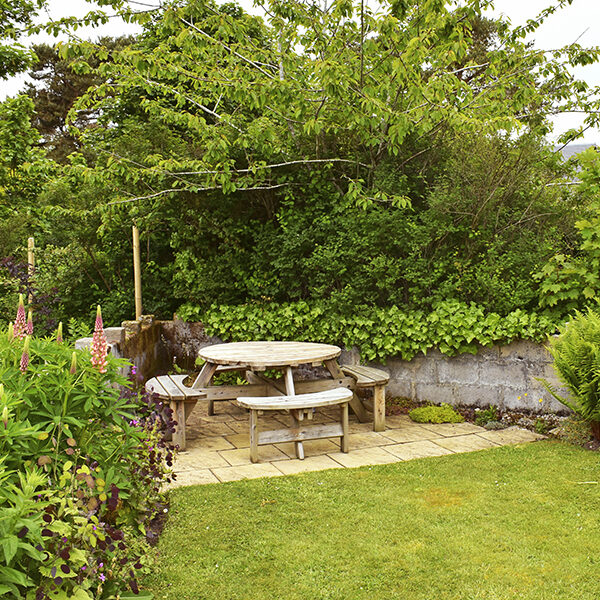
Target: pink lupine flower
{"x":25,"y":356}
{"x":99,"y":344}
{"x":29,"y":325}
{"x":59,"y":333}
{"x":20,"y":326}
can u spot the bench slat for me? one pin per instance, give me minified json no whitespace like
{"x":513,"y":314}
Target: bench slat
{"x":310,"y":432}
{"x":188,"y":392}
{"x":366,"y":376}
{"x":302,"y":401}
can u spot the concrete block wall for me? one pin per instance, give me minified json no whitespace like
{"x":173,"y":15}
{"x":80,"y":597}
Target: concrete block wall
{"x":504,"y":376}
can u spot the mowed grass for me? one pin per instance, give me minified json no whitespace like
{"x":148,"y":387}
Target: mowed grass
{"x":512,"y":522}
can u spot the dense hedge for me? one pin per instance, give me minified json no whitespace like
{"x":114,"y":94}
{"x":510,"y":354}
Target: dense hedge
{"x":379,"y":333}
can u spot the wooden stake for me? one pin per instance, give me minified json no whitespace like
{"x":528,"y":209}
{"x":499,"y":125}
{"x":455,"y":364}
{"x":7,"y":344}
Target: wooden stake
{"x":137,"y":274}
{"x":30,"y":262}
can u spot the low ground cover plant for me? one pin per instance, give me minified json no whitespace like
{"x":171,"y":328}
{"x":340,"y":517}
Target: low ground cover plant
{"x":435,"y":414}
{"x":83,"y":456}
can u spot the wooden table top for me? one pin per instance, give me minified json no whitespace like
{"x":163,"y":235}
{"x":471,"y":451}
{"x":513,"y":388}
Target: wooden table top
{"x":263,"y":355}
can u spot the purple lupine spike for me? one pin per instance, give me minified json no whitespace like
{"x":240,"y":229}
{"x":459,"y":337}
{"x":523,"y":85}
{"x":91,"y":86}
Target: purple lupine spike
{"x":20,"y":326}
{"x":29,"y":325}
{"x":59,"y":333}
{"x":25,"y":356}
{"x":99,"y":344}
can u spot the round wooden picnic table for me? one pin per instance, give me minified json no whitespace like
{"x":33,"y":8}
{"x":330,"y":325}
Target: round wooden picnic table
{"x":264,"y":355}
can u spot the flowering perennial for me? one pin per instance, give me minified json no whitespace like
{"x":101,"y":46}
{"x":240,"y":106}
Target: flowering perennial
{"x":20,"y":326}
{"x":99,"y":344}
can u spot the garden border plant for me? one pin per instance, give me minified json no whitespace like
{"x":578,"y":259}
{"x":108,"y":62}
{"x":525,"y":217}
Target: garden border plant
{"x":84,"y":458}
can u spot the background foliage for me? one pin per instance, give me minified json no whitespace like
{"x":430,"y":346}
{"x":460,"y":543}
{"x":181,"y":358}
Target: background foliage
{"x":340,"y":158}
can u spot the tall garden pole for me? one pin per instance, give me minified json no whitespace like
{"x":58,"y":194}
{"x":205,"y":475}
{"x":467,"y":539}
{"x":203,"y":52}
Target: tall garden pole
{"x":30,"y":263}
{"x":137,"y":273}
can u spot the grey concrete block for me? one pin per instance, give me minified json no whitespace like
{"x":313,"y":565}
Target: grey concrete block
{"x":350,"y":356}
{"x":463,"y":370}
{"x":399,"y":369}
{"x":400,"y":388}
{"x":509,"y":374}
{"x":478,"y":395}
{"x":435,"y":393}
{"x":115,"y":335}
{"x":425,"y":370}
{"x":488,"y":352}
{"x":525,"y":350}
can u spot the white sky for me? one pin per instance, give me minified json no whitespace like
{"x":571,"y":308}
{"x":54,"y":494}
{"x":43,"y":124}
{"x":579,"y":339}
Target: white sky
{"x":580,"y":21}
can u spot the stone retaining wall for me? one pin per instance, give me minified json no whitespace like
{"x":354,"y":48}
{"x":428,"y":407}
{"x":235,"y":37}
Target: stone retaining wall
{"x":504,"y":376}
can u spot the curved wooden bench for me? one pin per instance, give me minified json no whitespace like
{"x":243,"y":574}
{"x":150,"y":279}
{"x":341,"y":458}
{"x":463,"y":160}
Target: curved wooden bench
{"x":298,"y":405}
{"x":181,"y":398}
{"x":366,"y":377}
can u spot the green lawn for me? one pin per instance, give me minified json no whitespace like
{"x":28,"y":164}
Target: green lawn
{"x":512,"y":522}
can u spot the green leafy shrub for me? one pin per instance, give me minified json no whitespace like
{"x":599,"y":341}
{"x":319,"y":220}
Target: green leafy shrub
{"x":453,"y":327}
{"x":435,"y":414}
{"x":482,"y":417}
{"x":576,"y":353}
{"x":83,"y":459}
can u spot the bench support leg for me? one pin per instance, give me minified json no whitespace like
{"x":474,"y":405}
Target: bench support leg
{"x":379,"y":408}
{"x":178,"y":408}
{"x":253,"y":436}
{"x":296,"y":425}
{"x":344,"y":438}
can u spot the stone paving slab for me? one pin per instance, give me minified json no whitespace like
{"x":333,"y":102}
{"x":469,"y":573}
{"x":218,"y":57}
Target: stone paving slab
{"x":449,"y":429}
{"x":512,"y":435}
{"x":409,"y":433}
{"x":422,"y":449}
{"x":311,"y":447}
{"x":465,"y":443}
{"x":218,"y":447}
{"x":199,"y":459}
{"x":241,"y":456}
{"x":251,"y":471}
{"x":310,"y":463}
{"x":364,"y":457}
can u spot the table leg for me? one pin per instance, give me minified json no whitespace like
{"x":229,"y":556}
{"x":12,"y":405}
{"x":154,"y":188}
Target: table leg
{"x":379,"y":408}
{"x":203,"y":379}
{"x":345,"y":432}
{"x":295,"y":414}
{"x":356,"y":405}
{"x":253,"y":436}
{"x":178,"y":408}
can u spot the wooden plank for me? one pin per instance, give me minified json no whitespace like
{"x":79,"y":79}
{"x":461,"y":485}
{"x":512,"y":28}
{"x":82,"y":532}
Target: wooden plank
{"x":189,"y":392}
{"x":356,"y":405}
{"x":298,"y":445}
{"x":232,"y":392}
{"x":304,"y":401}
{"x":379,"y":408}
{"x":179,"y":414}
{"x":345,"y":429}
{"x":308,"y":432}
{"x":154,"y":386}
{"x":289,"y":382}
{"x":269,"y":354}
{"x":172,"y":391}
{"x":254,"y":435}
{"x":366,"y":376}
{"x":320,"y":385}
{"x":205,"y":375}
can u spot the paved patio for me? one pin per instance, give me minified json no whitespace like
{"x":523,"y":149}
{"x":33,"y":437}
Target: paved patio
{"x":217,"y":447}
